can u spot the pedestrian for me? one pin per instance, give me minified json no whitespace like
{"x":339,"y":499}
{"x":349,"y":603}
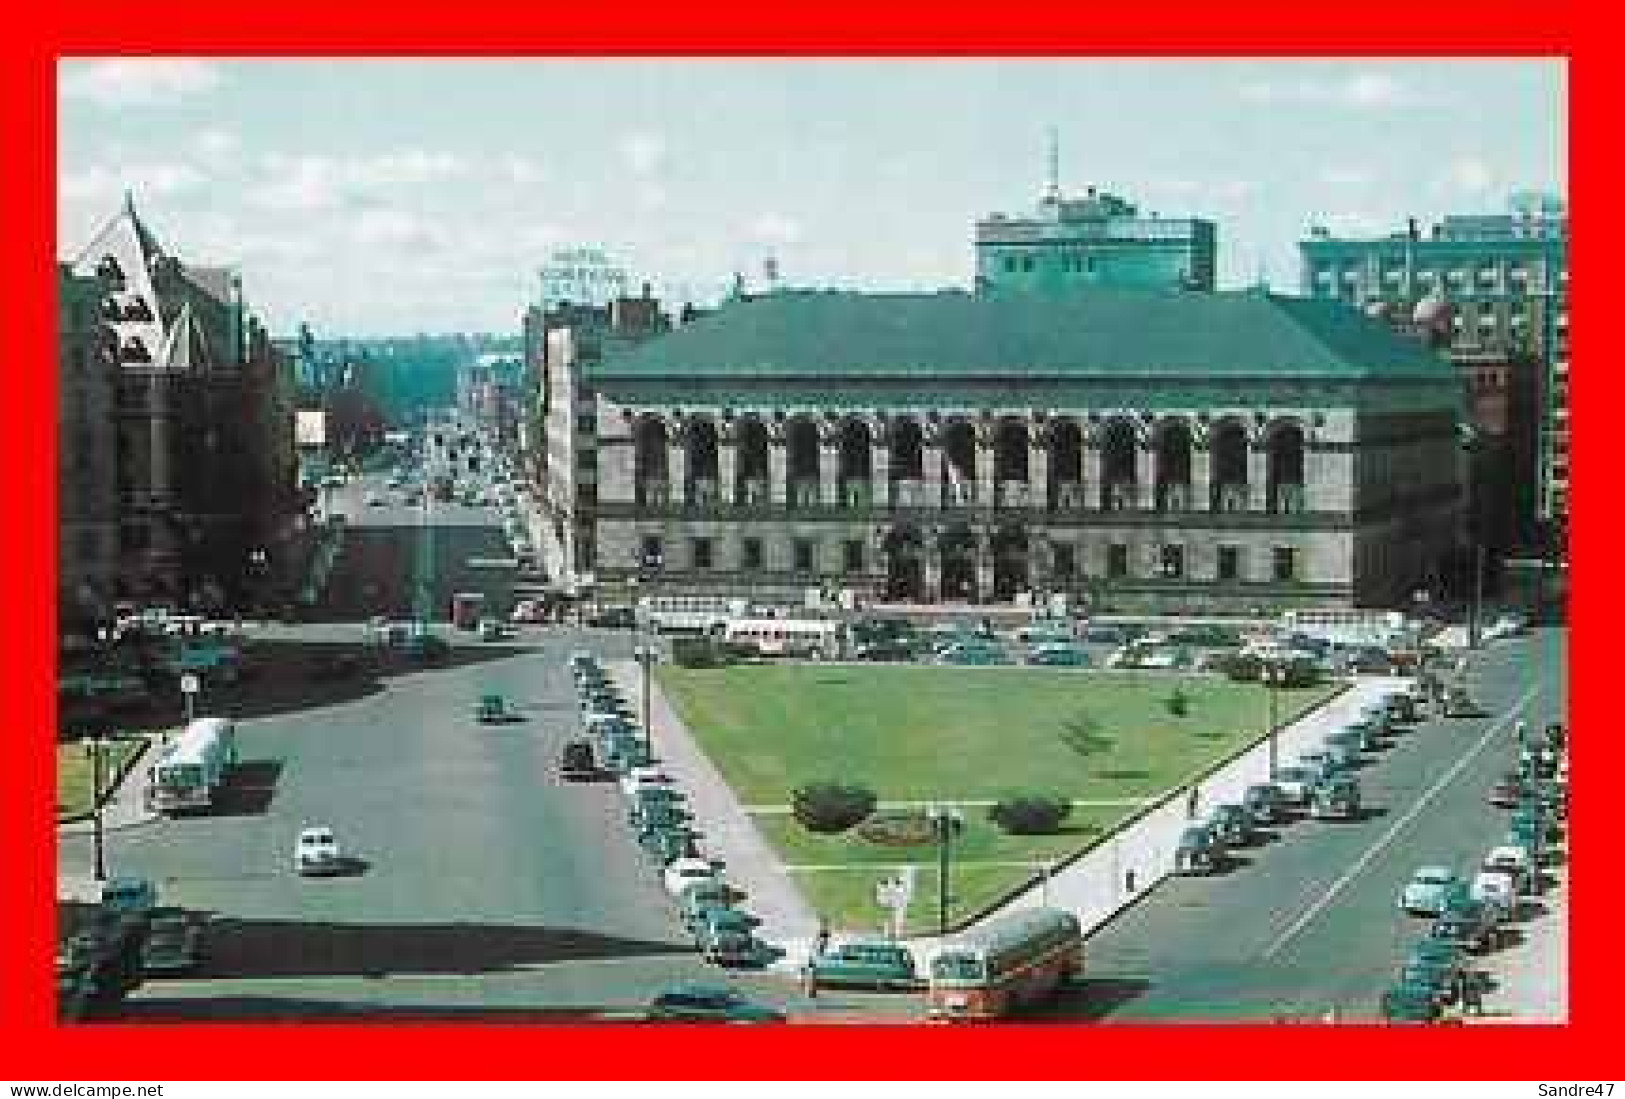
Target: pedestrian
{"x":821,"y":943}
{"x":1472,"y":994}
{"x":809,"y":980}
{"x":1191,"y":801}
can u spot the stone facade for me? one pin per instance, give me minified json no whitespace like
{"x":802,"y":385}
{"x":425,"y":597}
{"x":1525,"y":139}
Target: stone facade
{"x":979,"y":490}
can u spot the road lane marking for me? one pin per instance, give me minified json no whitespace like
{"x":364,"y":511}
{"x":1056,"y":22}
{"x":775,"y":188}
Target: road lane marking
{"x":1387,"y":837}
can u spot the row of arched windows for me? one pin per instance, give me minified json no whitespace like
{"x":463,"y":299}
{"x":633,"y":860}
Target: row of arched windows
{"x":1010,"y":450}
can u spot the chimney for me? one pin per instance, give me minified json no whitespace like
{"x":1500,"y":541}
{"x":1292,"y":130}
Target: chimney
{"x":1410,"y":225}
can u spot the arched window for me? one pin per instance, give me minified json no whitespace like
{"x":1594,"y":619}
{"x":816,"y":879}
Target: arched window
{"x":856,"y":466}
{"x":649,"y":463}
{"x":1284,"y":480}
{"x":700,"y":463}
{"x":1173,"y":471}
{"x":1228,"y":454}
{"x":958,"y":464}
{"x":1011,"y":472}
{"x":750,"y":463}
{"x":1119,"y":474}
{"x":1066,"y":465}
{"x":907,"y":462}
{"x":801,"y":458}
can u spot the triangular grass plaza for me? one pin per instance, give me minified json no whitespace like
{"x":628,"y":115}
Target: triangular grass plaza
{"x":1112,"y":742}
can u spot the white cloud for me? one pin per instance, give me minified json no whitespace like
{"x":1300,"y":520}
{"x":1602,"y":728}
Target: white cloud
{"x":650,"y":195}
{"x":217,"y":145}
{"x":311,"y":182}
{"x":775,"y":228}
{"x":123,"y":82}
{"x":1360,"y":91}
{"x":1469,"y":175}
{"x":1345,"y":177}
{"x":522,"y":170}
{"x":390,"y":228}
{"x":643,"y":152}
{"x":103,"y":183}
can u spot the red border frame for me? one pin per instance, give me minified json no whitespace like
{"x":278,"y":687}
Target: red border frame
{"x":723,"y":27}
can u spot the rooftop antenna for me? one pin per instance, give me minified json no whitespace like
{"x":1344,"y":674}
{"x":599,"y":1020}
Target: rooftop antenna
{"x":1053,"y":193}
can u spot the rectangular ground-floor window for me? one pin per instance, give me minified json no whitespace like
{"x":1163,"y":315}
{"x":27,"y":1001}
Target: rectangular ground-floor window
{"x":750,"y":553}
{"x":854,"y":555}
{"x":802,"y":555}
{"x":1229,"y":562}
{"x":1286,"y":563}
{"x":702,"y":553}
{"x":652,"y":553}
{"x":1117,"y":561}
{"x":1064,"y":558}
{"x":1173,"y":562}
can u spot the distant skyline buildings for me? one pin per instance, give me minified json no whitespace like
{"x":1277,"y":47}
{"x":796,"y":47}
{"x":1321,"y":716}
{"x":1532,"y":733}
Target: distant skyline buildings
{"x":394,"y":196}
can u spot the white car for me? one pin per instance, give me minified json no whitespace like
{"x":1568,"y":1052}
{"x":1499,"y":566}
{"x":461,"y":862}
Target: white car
{"x":1498,"y":889}
{"x":1511,"y":861}
{"x":639,"y":777}
{"x":686,"y":872}
{"x":317,"y":851}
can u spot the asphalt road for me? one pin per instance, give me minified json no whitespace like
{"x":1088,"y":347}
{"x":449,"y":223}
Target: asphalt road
{"x":1309,"y":923}
{"x":482,"y":885}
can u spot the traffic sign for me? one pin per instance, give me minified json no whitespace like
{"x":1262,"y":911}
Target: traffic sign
{"x":189,"y":684}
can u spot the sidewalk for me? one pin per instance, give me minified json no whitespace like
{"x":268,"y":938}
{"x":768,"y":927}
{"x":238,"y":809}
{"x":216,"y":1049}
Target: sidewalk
{"x":727,"y":830}
{"x":125,"y":806}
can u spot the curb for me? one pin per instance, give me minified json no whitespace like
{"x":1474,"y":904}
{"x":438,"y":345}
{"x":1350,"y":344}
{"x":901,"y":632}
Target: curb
{"x":111,"y":789}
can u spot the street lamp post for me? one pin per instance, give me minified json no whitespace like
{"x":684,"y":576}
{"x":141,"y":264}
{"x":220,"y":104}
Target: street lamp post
{"x":1475,"y":628}
{"x":1270,"y":679}
{"x":94,"y":745}
{"x":646,"y":655}
{"x":944,"y":819}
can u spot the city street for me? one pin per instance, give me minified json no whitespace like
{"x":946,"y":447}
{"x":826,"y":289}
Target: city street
{"x":1309,"y":924}
{"x":483,"y":882}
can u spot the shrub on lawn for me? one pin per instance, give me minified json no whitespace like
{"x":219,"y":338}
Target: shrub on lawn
{"x":700,"y":652}
{"x":1030,"y":814}
{"x":831,"y":806}
{"x":1178,"y":703}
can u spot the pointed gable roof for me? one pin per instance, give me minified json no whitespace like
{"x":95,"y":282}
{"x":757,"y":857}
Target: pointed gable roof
{"x":185,"y":346}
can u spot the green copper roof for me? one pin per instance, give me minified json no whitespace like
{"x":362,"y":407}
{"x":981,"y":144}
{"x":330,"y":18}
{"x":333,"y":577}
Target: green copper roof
{"x":1096,"y":333}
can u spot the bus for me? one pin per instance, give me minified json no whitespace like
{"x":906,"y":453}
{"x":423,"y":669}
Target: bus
{"x":1350,"y":627}
{"x":189,"y":773}
{"x":1012,"y":960}
{"x":703,"y":614}
{"x":804,"y":637}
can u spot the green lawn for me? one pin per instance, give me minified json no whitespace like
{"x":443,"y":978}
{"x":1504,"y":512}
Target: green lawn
{"x":74,"y":773}
{"x":958,"y":735}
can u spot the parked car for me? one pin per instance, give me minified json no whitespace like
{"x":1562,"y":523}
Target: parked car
{"x":709,"y":1004}
{"x":1343,"y":748}
{"x":1438,"y":964}
{"x":1199,"y":851}
{"x":1430,"y":890}
{"x":1265,"y":802}
{"x":1497,"y":888}
{"x":493,"y":709}
{"x":639,"y":777}
{"x":427,"y":648}
{"x":1513,"y":861}
{"x":971,"y":653}
{"x":129,"y":896}
{"x":704,"y":894}
{"x":686,"y":872}
{"x":1472,"y":925}
{"x":861,"y":964}
{"x":171,"y":946}
{"x":1457,"y":703}
{"x":1064,"y":654}
{"x":1232,"y":824}
{"x":1409,"y":1002}
{"x":614,"y":618}
{"x":1295,"y":783}
{"x":1336,"y":798}
{"x":578,"y":762}
{"x":726,"y":936}
{"x":493,"y":630}
{"x":317,"y":852}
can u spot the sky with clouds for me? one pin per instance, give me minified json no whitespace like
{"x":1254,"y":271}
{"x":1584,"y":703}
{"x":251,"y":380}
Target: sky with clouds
{"x":373,"y":196}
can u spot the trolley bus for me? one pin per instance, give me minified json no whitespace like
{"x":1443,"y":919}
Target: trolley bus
{"x":803,"y":637}
{"x":189,"y":773}
{"x":703,"y":614}
{"x":1013,"y":960}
